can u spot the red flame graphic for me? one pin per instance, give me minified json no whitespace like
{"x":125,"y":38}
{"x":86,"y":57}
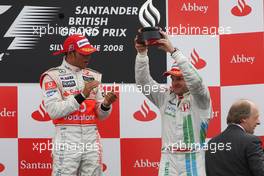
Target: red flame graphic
{"x":41,"y":114}
{"x":145,"y":113}
{"x":104,"y":167}
{"x":2,"y":167}
{"x":197,"y":62}
{"x":242,"y":9}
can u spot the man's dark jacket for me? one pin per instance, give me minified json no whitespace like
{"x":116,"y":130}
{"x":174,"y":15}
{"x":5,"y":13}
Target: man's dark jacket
{"x":238,"y":154}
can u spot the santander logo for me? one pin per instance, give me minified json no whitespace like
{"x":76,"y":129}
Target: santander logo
{"x":197,"y":61}
{"x":145,"y":113}
{"x":2,"y":167}
{"x":41,"y":114}
{"x":242,"y":9}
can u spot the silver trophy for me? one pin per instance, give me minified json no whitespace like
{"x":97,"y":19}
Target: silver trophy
{"x":149,"y":17}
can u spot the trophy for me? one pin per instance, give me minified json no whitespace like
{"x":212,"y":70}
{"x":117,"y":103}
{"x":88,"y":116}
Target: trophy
{"x":148,"y":14}
{"x":90,"y":75}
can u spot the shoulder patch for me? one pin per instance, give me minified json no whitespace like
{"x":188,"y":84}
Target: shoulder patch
{"x":50,"y":85}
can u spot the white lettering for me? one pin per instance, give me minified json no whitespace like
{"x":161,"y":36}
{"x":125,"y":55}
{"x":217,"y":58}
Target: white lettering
{"x":143,"y":163}
{"x":89,"y":21}
{"x":97,"y":47}
{"x":242,"y":59}
{"x":55,"y":47}
{"x":27,"y":165}
{"x":7,"y":113}
{"x":215,"y":113}
{"x":114,"y":32}
{"x":99,"y":10}
{"x":79,"y":117}
{"x":193,"y":7}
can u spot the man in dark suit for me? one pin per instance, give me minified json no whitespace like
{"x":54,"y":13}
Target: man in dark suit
{"x":236,"y":151}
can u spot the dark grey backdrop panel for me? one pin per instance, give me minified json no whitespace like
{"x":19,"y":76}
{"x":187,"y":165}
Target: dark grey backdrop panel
{"x":25,"y":55}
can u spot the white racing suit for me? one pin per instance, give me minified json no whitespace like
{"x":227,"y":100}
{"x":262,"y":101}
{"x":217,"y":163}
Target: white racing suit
{"x":76,"y":145}
{"x":184,"y":119}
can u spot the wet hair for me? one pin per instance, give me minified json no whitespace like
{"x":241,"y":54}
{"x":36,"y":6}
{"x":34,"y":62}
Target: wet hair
{"x":241,"y":109}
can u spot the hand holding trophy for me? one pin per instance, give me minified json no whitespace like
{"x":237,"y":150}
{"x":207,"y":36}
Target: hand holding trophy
{"x":92,"y":80}
{"x":148,"y":14}
{"x":90,"y":86}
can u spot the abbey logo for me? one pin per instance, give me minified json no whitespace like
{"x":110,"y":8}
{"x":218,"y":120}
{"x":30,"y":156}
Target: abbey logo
{"x":242,"y":59}
{"x":146,"y":163}
{"x":27,"y":26}
{"x":145,"y":113}
{"x":241,"y":9}
{"x":194,"y":8}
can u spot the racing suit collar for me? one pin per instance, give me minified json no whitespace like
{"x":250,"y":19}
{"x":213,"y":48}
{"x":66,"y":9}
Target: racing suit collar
{"x":181,"y":96}
{"x":69,"y":66}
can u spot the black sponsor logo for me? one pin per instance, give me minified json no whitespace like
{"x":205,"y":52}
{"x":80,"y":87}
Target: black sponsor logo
{"x":88,"y":78}
{"x":68,"y":83}
{"x":66,"y":78}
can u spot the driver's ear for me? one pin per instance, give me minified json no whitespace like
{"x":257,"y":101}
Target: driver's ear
{"x":69,"y":53}
{"x":72,"y":53}
{"x":242,"y":120}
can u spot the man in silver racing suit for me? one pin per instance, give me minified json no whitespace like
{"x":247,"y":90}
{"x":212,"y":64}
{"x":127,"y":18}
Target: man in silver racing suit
{"x":74,"y":102}
{"x":185,"y":111}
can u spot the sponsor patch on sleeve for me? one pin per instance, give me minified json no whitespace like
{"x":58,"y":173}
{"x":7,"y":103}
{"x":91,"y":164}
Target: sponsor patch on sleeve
{"x":50,"y":85}
{"x":50,"y":93}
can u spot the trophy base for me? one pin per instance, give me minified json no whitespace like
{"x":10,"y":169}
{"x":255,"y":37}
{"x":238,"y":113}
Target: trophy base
{"x":149,"y":35}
